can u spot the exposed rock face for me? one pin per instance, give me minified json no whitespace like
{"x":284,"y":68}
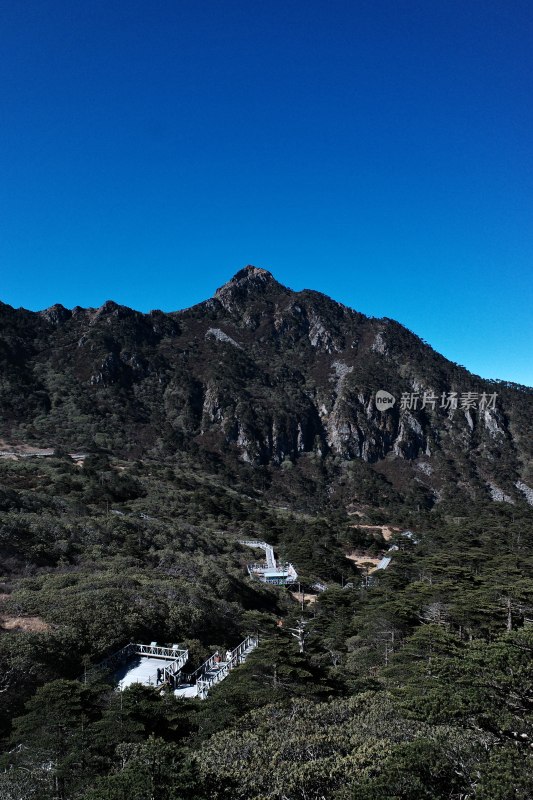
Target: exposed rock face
{"x":527,"y":491}
{"x":498,"y":495}
{"x":220,"y":336}
{"x":56,"y":314}
{"x":260,"y":374}
{"x":247,"y":285}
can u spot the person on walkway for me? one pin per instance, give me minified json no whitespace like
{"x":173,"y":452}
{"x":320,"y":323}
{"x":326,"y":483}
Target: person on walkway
{"x":158,"y":680}
{"x":217,"y":659}
{"x":228,"y":655}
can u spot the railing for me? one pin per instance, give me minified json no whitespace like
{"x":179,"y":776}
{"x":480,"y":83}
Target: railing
{"x":254,"y":543}
{"x":171,"y":672}
{"x":288,"y":574}
{"x":116,"y":658}
{"x":204,"y":684}
{"x":269,"y":551}
{"x":203,"y":668}
{"x":158,"y":652}
{"x":250,"y":643}
{"x":258,"y":567}
{"x":258,"y":570}
{"x":177,"y":655}
{"x":109,"y":664}
{"x":291,"y":576}
{"x":237,"y":657}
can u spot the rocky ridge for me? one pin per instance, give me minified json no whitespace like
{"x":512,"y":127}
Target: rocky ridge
{"x":264,"y":376}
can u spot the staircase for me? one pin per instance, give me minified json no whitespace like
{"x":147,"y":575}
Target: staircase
{"x":269,"y":551}
{"x":214,"y":670}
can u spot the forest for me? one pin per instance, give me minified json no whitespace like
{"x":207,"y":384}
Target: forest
{"x":412,"y":683}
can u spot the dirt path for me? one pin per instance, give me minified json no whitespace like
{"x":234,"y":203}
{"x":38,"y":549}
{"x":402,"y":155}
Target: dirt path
{"x":387,"y":531}
{"x":360,"y":558}
{"x":308,"y":598}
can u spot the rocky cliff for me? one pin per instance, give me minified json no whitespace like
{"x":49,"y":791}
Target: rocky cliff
{"x":265,"y":376}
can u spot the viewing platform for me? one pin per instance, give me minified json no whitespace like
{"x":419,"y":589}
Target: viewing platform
{"x":270,"y":571}
{"x":151,"y":665}
{"x":162,"y":668}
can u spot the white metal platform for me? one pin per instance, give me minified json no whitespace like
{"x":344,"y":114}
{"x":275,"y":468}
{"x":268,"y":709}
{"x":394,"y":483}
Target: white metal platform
{"x":187,"y":690}
{"x":141,"y":662}
{"x":144,"y":661}
{"x":270,"y":572}
{"x":144,"y":671}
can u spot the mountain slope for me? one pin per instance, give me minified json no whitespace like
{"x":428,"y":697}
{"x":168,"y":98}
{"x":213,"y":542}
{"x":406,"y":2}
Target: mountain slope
{"x":262,"y":375}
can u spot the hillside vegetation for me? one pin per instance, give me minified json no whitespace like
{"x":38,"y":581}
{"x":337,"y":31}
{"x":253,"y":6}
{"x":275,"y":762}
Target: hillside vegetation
{"x":139,"y":450}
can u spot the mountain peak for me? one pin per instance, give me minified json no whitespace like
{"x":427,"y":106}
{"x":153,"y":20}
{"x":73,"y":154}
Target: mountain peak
{"x":249,"y":275}
{"x":56,"y":314}
{"x":249,"y":271}
{"x":247,"y":283}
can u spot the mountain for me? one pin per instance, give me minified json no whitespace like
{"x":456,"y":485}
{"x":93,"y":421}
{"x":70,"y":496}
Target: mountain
{"x":401,"y":668}
{"x":264,"y":376}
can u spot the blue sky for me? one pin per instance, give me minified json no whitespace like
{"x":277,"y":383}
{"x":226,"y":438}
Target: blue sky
{"x":378,"y":151}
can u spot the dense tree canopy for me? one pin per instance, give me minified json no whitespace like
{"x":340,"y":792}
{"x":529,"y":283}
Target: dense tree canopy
{"x":408,"y":683}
